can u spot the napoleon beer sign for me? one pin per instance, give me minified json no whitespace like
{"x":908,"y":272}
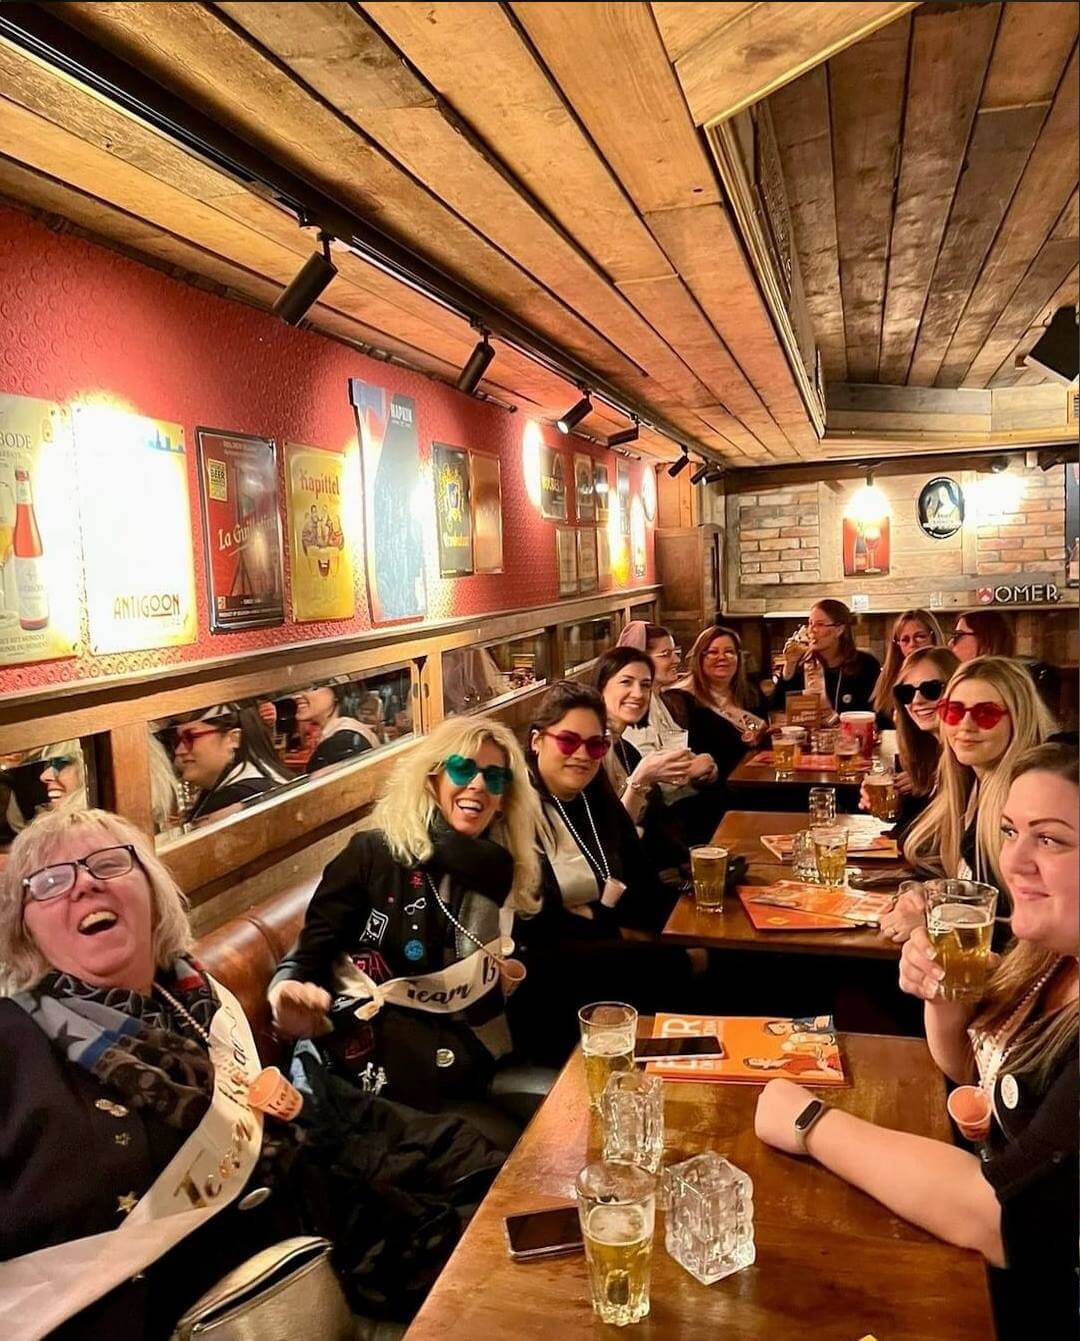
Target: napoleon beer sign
{"x":1030,"y":593}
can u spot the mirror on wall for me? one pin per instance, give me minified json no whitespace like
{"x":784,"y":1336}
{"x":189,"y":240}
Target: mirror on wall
{"x":212,"y":763}
{"x":481,"y":676}
{"x":50,"y":777}
{"x":583,"y":642}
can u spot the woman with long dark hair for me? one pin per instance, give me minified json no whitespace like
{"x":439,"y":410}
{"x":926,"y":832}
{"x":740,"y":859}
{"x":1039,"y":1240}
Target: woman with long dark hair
{"x":825,"y":661}
{"x":982,"y":633}
{"x":335,"y":709}
{"x":723,"y":711}
{"x":226,"y":753}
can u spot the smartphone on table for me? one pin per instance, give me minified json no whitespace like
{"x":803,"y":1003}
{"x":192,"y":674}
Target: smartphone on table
{"x":653,"y":1049}
{"x":548,"y":1233}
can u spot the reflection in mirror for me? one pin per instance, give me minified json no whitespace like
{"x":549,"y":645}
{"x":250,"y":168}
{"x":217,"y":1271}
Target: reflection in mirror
{"x":210,"y":764}
{"x":474,"y":677}
{"x":585,"y":641}
{"x":33,"y":781}
{"x":645,"y":612}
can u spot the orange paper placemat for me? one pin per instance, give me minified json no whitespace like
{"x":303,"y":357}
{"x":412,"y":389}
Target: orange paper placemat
{"x":757,"y":1047}
{"x":790,"y":905}
{"x":807,"y":763}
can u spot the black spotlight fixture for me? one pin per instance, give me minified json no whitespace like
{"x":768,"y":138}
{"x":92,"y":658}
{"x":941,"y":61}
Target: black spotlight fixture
{"x":626,"y":435}
{"x":714,"y":476}
{"x":477,"y":364}
{"x":999,"y":465}
{"x":677,"y":467}
{"x":700,"y":473}
{"x":574,"y":415}
{"x":316,"y":273}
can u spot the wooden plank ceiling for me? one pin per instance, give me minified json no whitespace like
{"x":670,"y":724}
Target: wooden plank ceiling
{"x":476,"y":134}
{"x":931,"y":172}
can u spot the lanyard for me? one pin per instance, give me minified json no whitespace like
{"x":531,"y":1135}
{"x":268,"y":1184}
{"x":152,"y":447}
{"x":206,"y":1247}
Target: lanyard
{"x":600,"y":867}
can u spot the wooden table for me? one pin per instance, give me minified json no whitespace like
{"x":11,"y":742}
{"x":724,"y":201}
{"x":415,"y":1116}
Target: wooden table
{"x":740,"y":832}
{"x":832,"y":1264}
{"x":746,"y":774}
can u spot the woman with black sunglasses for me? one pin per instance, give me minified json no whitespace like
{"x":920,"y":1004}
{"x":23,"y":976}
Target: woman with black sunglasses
{"x":919,"y":686}
{"x":596,"y":883}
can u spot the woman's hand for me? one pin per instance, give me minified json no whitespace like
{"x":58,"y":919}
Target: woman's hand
{"x":864,"y":798}
{"x":920,"y":975}
{"x":903,"y":783}
{"x":702,"y":770}
{"x":778,"y":1105}
{"x":670,"y":766}
{"x":907,"y":913}
{"x":299,"y":1009}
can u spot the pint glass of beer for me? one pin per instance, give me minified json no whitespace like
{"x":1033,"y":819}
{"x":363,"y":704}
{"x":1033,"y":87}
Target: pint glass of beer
{"x":608,"y":1031}
{"x":848,"y":759}
{"x":960,"y":924}
{"x":709,"y":865}
{"x":882,"y":793}
{"x":617,"y":1206}
{"x":830,"y":853}
{"x":787,"y":747}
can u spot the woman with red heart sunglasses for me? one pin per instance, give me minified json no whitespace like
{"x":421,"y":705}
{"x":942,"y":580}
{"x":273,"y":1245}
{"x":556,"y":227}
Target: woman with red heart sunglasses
{"x":990,"y":714}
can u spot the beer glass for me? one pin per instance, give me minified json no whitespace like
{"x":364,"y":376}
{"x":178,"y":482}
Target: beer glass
{"x":709,"y":865}
{"x":822,"y":804}
{"x":882,"y":793}
{"x":617,"y":1207}
{"x":608,"y":1031}
{"x":848,"y":759}
{"x":632,"y":1113}
{"x":960,"y":924}
{"x":787,"y":747}
{"x":803,"y":857}
{"x":830,"y":853}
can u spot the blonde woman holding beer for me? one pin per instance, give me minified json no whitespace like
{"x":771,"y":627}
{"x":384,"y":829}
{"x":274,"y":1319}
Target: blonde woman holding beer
{"x":1018,"y":1204}
{"x":912,"y":631}
{"x":990,"y":714}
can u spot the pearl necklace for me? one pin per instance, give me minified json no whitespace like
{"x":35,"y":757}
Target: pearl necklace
{"x":998,"y":1045}
{"x":183,"y":1012}
{"x":601,"y":867}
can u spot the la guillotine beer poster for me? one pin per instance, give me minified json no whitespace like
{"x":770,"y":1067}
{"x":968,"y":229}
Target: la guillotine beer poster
{"x":136,"y":520}
{"x":39,"y":533}
{"x":453,"y":513}
{"x":320,"y":535}
{"x":241,"y":530}
{"x":393,"y":533}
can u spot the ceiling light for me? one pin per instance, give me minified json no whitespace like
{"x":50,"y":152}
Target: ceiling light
{"x":626,"y":435}
{"x":316,"y":273}
{"x":677,"y":467}
{"x":999,"y":465}
{"x":476,"y":365}
{"x":574,"y":415}
{"x":715,"y":475}
{"x":700,"y":473}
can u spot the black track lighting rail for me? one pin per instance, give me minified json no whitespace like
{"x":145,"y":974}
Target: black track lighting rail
{"x":40,"y":34}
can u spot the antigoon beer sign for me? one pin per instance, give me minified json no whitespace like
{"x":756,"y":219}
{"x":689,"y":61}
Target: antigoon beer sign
{"x":136,"y":520}
{"x":39,"y":533}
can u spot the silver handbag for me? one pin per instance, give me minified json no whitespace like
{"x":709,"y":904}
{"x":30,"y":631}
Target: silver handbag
{"x":286,"y":1291}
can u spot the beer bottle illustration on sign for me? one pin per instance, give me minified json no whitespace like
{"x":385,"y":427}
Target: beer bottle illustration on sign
{"x":27,"y":549}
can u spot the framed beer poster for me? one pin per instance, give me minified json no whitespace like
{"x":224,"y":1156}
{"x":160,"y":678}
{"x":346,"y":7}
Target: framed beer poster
{"x":390,"y":484}
{"x":603,"y":557}
{"x":40,"y":609}
{"x":601,"y":487}
{"x":137,"y":551}
{"x":552,"y":484}
{"x":584,"y":488}
{"x":587,"y":563}
{"x":453,"y":515}
{"x":566,"y":557}
{"x":486,"y":498}
{"x":320,"y":543}
{"x":238,"y":490}
{"x":637,"y":538}
{"x":622,"y":477}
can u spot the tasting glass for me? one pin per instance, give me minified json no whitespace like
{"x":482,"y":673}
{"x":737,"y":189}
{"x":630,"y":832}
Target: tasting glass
{"x":710,"y":1217}
{"x":617,"y":1208}
{"x":632,"y":1116}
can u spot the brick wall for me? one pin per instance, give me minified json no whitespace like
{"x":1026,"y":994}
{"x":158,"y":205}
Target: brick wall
{"x":779,"y":536}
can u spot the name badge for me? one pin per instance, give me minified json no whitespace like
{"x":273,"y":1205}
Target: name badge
{"x":1010,"y":1091}
{"x":612,"y":892}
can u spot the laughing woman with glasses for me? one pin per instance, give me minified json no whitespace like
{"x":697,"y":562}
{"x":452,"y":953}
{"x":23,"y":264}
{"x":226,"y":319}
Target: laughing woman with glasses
{"x":990,"y":714}
{"x":596,"y":882}
{"x":423,"y":895}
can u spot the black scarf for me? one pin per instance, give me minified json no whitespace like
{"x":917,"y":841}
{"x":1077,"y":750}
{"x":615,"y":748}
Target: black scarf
{"x":475,"y":864}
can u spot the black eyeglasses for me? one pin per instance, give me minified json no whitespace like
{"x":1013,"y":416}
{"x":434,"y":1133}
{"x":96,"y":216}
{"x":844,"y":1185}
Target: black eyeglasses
{"x":930,"y":690}
{"x":52,"y":882}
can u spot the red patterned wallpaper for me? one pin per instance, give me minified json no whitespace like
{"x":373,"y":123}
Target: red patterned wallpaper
{"x":80,"y":320}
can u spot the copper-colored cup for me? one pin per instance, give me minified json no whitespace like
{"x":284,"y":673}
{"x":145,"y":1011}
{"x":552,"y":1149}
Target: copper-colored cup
{"x":271,"y":1093}
{"x":969,"y":1108}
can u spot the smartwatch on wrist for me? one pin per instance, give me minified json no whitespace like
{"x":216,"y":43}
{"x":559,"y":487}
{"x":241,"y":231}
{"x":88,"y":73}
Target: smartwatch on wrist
{"x":812,"y":1113}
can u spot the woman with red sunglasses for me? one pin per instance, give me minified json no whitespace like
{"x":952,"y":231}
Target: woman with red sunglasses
{"x":990,"y":714}
{"x":596,"y":882}
{"x":226,"y":753}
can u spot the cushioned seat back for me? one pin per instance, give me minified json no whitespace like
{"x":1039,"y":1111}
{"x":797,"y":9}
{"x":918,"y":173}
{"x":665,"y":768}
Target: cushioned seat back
{"x":244,"y":953}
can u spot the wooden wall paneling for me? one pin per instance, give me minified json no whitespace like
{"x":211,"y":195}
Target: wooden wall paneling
{"x":124,"y":780}
{"x":1048,"y":181}
{"x":1019,"y":407}
{"x":950,"y":53}
{"x":1032,"y":46}
{"x":1008,"y":374}
{"x":769,"y":45}
{"x":800,"y":115}
{"x":866,"y":87}
{"x":685,"y":23}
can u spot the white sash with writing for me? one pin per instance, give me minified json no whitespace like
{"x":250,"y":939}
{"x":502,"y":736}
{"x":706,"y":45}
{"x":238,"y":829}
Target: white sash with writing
{"x":447,"y":990}
{"x":40,"y":1290}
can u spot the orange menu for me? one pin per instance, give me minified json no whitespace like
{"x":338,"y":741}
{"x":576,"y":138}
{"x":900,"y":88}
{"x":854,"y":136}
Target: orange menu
{"x":790,"y":905}
{"x":757,"y":1049}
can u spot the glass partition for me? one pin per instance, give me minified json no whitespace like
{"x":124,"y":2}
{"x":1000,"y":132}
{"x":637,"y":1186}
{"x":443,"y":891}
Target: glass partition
{"x":646,"y":611}
{"x":583,"y":643}
{"x":480,"y":676}
{"x":210,"y":764}
{"x":48,"y":778}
